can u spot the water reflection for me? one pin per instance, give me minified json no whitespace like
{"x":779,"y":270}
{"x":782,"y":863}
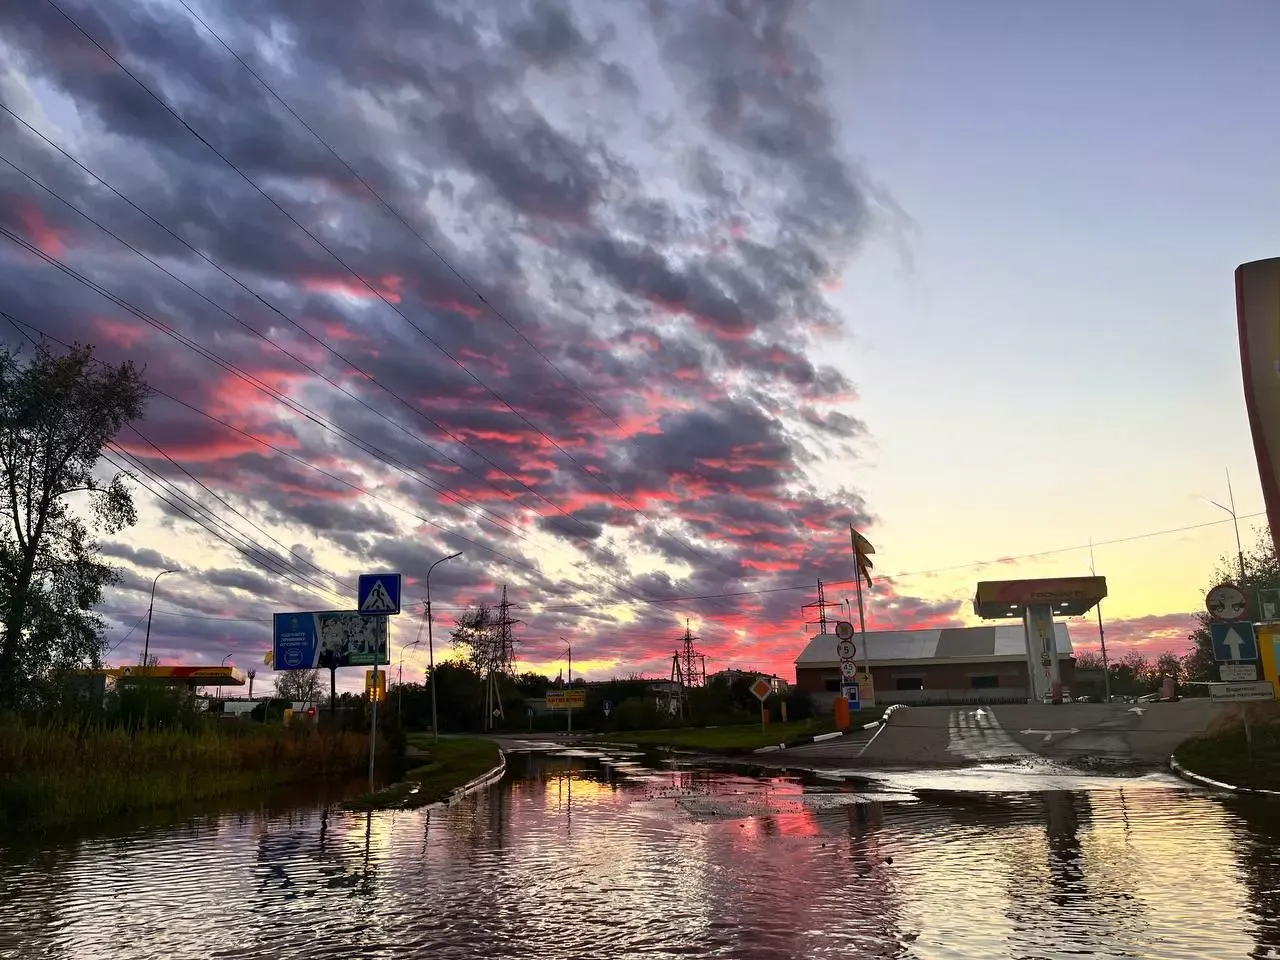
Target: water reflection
{"x":585,"y":856}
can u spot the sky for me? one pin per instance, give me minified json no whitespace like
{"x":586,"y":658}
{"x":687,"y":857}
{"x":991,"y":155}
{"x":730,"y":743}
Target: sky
{"x":639,"y":305}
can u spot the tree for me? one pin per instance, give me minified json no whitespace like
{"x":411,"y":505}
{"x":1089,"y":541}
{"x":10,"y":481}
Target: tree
{"x":1088,"y":660}
{"x":299,"y":685}
{"x":1261,"y":572}
{"x":475,"y":630}
{"x":57,"y":413}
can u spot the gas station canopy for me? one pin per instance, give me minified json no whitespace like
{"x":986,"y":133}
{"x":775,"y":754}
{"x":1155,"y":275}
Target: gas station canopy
{"x":1067,"y":596}
{"x":179,"y":675}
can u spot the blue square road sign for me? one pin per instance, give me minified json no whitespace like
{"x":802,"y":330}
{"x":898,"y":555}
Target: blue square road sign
{"x":1234,"y":641}
{"x":378,"y":593}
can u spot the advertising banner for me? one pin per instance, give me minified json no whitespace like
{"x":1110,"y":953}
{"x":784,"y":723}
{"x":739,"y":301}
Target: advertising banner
{"x":1258,"y":319}
{"x":330,"y":638}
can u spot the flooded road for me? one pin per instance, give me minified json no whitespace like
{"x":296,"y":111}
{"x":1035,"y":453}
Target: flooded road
{"x":578,"y":855}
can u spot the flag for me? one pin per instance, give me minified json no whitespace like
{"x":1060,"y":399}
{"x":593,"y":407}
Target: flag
{"x":269,"y":657}
{"x":862,"y":549}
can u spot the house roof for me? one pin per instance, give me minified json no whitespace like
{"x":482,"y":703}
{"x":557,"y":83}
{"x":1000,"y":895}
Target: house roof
{"x":950,"y":644}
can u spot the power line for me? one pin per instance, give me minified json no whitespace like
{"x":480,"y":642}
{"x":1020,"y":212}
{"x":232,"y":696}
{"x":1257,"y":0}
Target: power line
{"x":293,"y":405}
{"x":365,"y":283}
{"x":457,"y":274}
{"x":434,"y":485}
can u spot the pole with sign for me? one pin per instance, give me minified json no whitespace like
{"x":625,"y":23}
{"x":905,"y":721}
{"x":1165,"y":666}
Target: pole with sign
{"x":762,"y":688}
{"x":377,"y":595}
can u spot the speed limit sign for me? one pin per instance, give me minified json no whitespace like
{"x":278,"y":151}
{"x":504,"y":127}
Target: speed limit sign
{"x":846,"y":649}
{"x":848,"y":670}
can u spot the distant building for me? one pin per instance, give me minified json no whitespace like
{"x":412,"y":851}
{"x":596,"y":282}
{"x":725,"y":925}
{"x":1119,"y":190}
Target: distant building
{"x":951,"y":665}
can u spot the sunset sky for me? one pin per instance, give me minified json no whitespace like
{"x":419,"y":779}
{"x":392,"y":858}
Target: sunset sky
{"x":639,"y":304}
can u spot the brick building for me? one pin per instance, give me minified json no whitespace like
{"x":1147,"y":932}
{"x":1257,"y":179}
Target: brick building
{"x":957,"y":665}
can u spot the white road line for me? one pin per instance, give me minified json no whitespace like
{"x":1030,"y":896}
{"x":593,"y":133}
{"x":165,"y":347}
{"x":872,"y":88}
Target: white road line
{"x":977,"y":735}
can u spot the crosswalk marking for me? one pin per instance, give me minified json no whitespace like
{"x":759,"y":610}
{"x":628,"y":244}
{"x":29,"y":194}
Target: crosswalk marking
{"x":977,"y":735}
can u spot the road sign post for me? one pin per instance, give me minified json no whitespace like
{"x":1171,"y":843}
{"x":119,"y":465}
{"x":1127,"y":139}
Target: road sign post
{"x":762,"y":687}
{"x":1233,"y":642}
{"x":379,"y":593}
{"x":1226,"y":602}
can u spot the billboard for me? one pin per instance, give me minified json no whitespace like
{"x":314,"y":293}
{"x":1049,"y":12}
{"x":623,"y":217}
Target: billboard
{"x":566,"y":699}
{"x":330,"y":638}
{"x":1258,"y":319}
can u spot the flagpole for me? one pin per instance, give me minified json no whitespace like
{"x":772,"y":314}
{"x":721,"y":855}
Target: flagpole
{"x":857,"y":576}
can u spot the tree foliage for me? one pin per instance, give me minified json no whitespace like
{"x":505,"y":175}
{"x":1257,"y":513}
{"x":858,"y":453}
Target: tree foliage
{"x":57,"y":413}
{"x":299,"y":685}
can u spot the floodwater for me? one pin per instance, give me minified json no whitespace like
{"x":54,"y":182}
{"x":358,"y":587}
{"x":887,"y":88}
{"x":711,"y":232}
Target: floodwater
{"x":583,"y":855}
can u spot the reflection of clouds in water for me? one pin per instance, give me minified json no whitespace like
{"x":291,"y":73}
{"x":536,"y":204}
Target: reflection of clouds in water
{"x":567,"y":859}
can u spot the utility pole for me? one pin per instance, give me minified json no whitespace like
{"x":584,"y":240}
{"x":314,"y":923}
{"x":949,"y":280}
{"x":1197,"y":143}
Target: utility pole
{"x":501,"y":656}
{"x":569,"y":686}
{"x":1102,"y":637}
{"x":821,"y":604}
{"x":688,"y":668}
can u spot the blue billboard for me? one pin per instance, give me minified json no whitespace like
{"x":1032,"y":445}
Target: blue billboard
{"x":330,"y":638}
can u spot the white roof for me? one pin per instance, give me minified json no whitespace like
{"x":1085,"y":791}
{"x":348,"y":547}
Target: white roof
{"x":951,"y":644}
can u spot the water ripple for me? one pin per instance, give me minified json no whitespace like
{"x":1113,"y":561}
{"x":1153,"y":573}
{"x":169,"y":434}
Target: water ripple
{"x":583,"y":854}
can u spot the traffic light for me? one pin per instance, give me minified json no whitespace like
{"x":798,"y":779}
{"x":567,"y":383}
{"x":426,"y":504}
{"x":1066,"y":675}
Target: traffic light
{"x":376,"y":689}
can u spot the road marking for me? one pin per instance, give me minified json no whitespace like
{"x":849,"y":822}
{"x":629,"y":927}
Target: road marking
{"x":977,"y":735}
{"x":1048,"y":734}
{"x":1138,"y":710}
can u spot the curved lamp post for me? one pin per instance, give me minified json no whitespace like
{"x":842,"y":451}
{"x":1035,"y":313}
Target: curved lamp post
{"x":146,"y":645}
{"x":431,"y":652}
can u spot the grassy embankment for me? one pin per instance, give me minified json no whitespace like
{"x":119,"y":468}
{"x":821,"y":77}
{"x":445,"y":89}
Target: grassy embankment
{"x":62,"y":776}
{"x":443,"y":767}
{"x":1222,"y":754}
{"x":735,"y":739}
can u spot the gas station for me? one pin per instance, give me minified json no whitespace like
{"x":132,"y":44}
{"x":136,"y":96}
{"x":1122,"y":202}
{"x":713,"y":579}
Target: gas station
{"x":1036,"y":603}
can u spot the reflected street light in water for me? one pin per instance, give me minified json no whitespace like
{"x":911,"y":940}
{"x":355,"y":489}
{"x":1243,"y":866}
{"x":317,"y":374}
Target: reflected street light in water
{"x":146,"y":644}
{"x":431,"y":652}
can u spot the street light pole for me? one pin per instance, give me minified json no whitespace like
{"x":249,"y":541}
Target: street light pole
{"x":569,"y":685}
{"x":223,"y":664}
{"x":400,"y":680}
{"x":431,"y":650}
{"x":146,"y":645}
{"x":1235,"y":521}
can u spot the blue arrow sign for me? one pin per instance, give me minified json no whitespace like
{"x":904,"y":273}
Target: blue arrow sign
{"x":1234,"y":641}
{"x":378,"y":593}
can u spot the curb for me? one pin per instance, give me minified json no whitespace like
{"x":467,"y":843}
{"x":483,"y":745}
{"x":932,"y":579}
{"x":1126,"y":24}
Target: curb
{"x":480,"y":782}
{"x":821,"y":737}
{"x":1203,"y":781}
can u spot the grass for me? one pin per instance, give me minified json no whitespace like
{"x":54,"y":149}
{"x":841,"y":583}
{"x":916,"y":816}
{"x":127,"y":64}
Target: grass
{"x":60,"y":776}
{"x":1222,"y":754}
{"x":451,"y":762}
{"x":733,"y":739}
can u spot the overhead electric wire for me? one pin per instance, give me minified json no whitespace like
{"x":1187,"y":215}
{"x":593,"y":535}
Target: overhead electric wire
{"x":164,"y":104}
{"x":194,"y":479}
{"x":262,"y":559}
{"x":444,"y":261}
{"x":288,"y":401}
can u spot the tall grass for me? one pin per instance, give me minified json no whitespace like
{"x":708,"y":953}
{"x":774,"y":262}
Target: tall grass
{"x":57,"y":775}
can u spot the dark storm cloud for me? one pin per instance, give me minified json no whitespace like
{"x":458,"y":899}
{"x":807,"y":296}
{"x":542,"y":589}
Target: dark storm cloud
{"x":685,"y":312}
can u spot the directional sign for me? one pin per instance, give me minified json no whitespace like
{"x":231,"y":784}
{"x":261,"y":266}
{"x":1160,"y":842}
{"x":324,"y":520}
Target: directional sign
{"x":1258,"y":690}
{"x":846,"y":649}
{"x":1226,"y":601}
{"x":762,"y":688}
{"x":844,"y":630}
{"x":379,"y":593}
{"x":1234,"y":641}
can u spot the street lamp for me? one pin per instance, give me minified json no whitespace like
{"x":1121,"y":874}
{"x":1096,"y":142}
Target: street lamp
{"x":400,"y":680}
{"x":569,"y":685}
{"x":1231,"y":499}
{"x":431,"y":651}
{"x":146,"y":645}
{"x":223,"y":664}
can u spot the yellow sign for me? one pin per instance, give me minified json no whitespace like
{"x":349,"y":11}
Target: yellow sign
{"x":379,"y":692}
{"x":1269,"y":653}
{"x":566,"y":699}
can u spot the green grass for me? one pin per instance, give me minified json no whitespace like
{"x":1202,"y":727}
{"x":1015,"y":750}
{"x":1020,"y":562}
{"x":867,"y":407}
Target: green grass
{"x":1223,"y":756}
{"x":451,"y":762}
{"x":734,"y":739}
{"x":62,"y":776}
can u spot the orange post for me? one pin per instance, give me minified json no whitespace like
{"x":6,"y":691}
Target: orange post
{"x":842,"y":713}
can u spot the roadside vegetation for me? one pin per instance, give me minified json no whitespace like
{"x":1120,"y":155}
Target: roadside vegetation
{"x":1224,"y":755}
{"x":441,"y":768}
{"x":63,"y":775}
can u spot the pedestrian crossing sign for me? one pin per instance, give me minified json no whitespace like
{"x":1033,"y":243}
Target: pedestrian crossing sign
{"x":379,"y":593}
